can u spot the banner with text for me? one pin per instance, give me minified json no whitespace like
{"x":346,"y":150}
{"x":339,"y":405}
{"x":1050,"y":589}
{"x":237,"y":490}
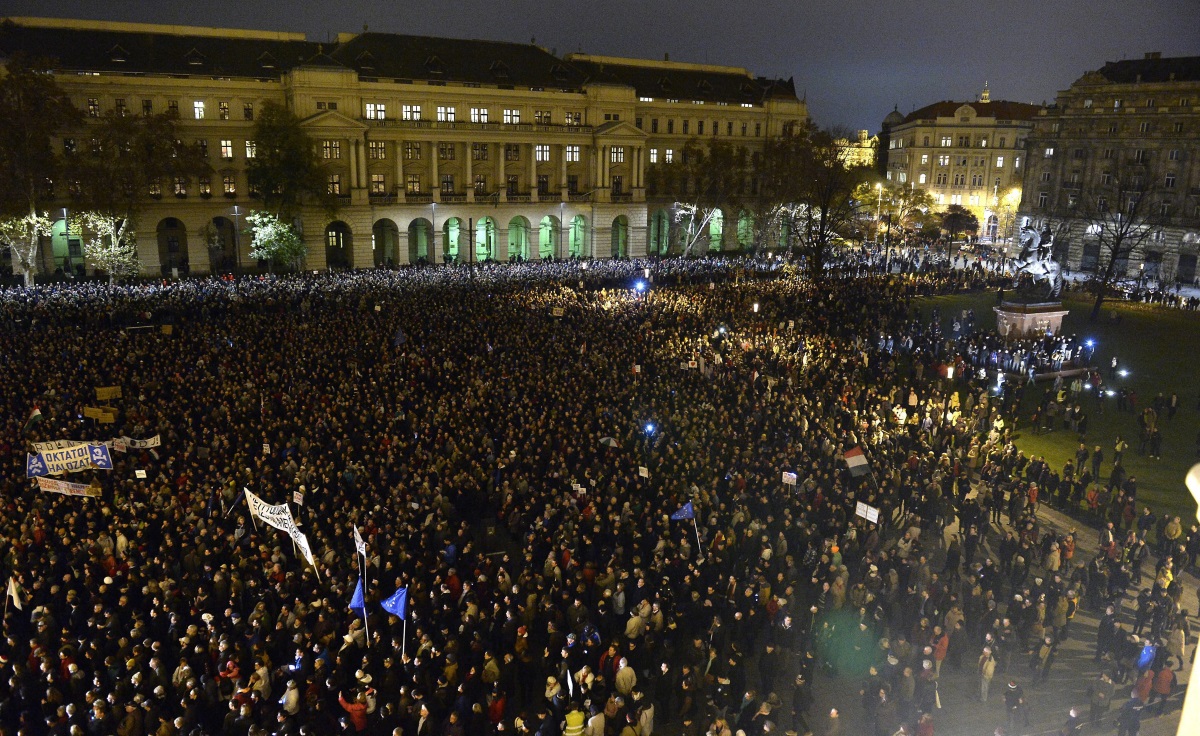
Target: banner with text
{"x":70,"y":459}
{"x":67,"y":489}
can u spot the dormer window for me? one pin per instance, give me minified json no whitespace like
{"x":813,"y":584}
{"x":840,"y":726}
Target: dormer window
{"x":194,"y":58}
{"x":500,"y":70}
{"x":434,"y":65}
{"x":704,"y":85}
{"x":365,"y":61}
{"x":118,"y":55}
{"x":664,"y":84}
{"x":559,"y":72}
{"x":266,"y":61}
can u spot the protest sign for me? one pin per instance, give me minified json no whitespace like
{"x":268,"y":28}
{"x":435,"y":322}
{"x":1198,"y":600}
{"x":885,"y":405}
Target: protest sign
{"x":104,"y":393}
{"x":68,"y":489}
{"x":870,"y":513}
{"x":789,"y":479}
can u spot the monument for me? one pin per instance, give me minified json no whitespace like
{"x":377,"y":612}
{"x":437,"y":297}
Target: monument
{"x":1034,"y":308}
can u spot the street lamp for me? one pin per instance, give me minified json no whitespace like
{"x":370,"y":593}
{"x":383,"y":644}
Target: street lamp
{"x":433,"y":233}
{"x":878,"y":208}
{"x":237,"y":250}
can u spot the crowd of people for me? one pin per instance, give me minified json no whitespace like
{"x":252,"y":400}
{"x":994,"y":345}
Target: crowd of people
{"x":577,"y":471}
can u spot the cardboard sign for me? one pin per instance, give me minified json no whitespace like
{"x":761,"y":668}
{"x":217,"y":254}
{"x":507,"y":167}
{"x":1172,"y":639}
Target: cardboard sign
{"x":298,"y":498}
{"x":870,"y":513}
{"x":139,"y":474}
{"x":104,"y":393}
{"x":266,"y":448}
{"x":637,"y":368}
{"x":643,"y":471}
{"x":102,"y":414}
{"x":556,"y":311}
{"x":789,"y":479}
{"x":167,"y":329}
{"x":378,"y":308}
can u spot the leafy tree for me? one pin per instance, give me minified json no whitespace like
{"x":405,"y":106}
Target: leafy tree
{"x":273,"y":240}
{"x":114,"y":254}
{"x":127,"y":158}
{"x":958,"y":219}
{"x":34,"y":111}
{"x":286,"y":169}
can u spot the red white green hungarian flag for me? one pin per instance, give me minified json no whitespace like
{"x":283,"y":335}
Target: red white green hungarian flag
{"x":857,"y":462}
{"x":35,"y":416}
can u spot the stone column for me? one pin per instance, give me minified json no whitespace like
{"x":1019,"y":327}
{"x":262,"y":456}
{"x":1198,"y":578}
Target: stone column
{"x":399,"y":149}
{"x":436,"y":184}
{"x":562,"y":168}
{"x":353,"y":183}
{"x":533,"y":190}
{"x":469,"y":184}
{"x":501,"y":183}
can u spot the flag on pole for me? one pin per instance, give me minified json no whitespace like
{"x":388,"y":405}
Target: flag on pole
{"x":397,"y":605}
{"x":685,"y":512}
{"x":857,"y":462}
{"x":35,"y":416}
{"x":356,"y":602}
{"x":359,"y":543}
{"x":14,"y":592}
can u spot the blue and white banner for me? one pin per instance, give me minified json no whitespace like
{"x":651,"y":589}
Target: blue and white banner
{"x":69,"y":459}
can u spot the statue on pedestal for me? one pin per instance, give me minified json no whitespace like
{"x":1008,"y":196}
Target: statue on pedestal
{"x":1036,"y":266}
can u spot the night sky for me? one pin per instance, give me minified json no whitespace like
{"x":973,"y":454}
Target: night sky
{"x":854,"y":59}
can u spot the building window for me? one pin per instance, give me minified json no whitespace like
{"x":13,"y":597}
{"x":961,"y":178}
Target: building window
{"x":924,"y":159}
{"x":1117,"y":104}
{"x":946,"y":141}
{"x":976,"y":180}
{"x":480,"y":184}
{"x":572,"y":184}
{"x":729,"y":128}
{"x":251,"y":149}
{"x":1048,"y":153}
{"x":93,"y":106}
{"x":999,"y":162}
{"x":941,"y":179}
{"x":229,"y":184}
{"x":223,"y":110}
{"x":573,"y":118}
{"x":920,"y":178}
{"x":377,"y":111}
{"x":1144,"y":128}
{"x":960,"y":179}
{"x":479,"y":151}
{"x":1016,"y":162}
{"x":204,"y":186}
{"x":1173,"y":154}
{"x":512,"y":116}
{"x":120,"y":107}
{"x":248,"y":111}
{"x":744,"y":125}
{"x":1169,"y":182}
{"x":543,"y":183}
{"x":173,"y":108}
{"x":334,"y":185}
{"x":1178,"y":127}
{"x":198,"y":109}
{"x":180,"y":186}
{"x":331,"y":149}
{"x":445,"y":114}
{"x":202,"y":147}
{"x":410,"y":112}
{"x":669,"y":155}
{"x":757,"y":130}
{"x":1141,"y":155}
{"x":445,"y":151}
{"x":512,"y":184}
{"x":376,"y":150}
{"x":541,"y":117}
{"x":617,"y":155}
{"x":412,"y":151}
{"x":653,"y":155}
{"x":1043,"y":198}
{"x":323,"y":105}
{"x":447,"y":183}
{"x":943,"y":160}
{"x":572,"y":154}
{"x":670,"y":126}
{"x":147,"y":107}
{"x":685,"y":126}
{"x":1106,"y":178}
{"x":378,"y":184}
{"x":654,"y":125}
{"x":512,"y":152}
{"x":615,"y":116}
{"x":479,"y":114}
{"x":1045,"y":176}
{"x":699,"y":127}
{"x":226,"y":150}
{"x":541,"y":152}
{"x":964,"y":141}
{"x":412,"y":184}
{"x":618,"y":186}
{"x":68,"y":145}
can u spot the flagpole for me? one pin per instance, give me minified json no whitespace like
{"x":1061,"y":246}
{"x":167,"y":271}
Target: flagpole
{"x":404,"y":633}
{"x":697,"y":528}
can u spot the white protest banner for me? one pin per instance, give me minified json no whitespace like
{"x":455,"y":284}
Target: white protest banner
{"x":870,"y":513}
{"x":789,"y":479}
{"x":302,"y":542}
{"x":146,"y":444}
{"x":119,"y":445}
{"x":278,"y":516}
{"x":643,"y":471}
{"x":68,"y":489}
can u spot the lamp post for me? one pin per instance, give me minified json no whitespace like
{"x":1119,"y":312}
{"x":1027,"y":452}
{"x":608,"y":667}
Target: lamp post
{"x":878,"y":208}
{"x":562,"y":226}
{"x":237,"y":250}
{"x":433,"y":232}
{"x":66,"y":238}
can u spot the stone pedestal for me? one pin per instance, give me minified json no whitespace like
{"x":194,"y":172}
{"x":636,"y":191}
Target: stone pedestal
{"x":1016,"y":320}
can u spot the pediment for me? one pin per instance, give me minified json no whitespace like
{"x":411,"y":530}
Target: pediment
{"x":327,"y":119}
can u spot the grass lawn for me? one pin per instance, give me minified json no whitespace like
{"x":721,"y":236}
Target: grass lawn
{"x":1161,"y":349}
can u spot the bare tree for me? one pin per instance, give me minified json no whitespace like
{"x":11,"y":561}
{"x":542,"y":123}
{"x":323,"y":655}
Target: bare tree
{"x":705,"y":177}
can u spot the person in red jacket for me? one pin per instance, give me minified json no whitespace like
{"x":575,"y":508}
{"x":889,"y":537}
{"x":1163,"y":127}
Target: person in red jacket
{"x":1164,"y":685}
{"x":940,"y":642}
{"x":356,"y":709}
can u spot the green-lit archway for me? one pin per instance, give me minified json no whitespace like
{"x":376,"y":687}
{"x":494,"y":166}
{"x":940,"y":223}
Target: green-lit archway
{"x":420,"y":235}
{"x":548,"y":237}
{"x":620,"y":237}
{"x":452,"y":239}
{"x":745,"y":230}
{"x":518,"y":238}
{"x":660,"y":233}
{"x":716,"y":230}
{"x":578,"y":239}
{"x":485,"y":239}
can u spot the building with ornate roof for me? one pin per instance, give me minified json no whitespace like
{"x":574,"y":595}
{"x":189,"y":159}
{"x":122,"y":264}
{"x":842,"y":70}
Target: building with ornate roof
{"x":437,"y":148}
{"x":965,"y":153}
{"x":1130,"y":129}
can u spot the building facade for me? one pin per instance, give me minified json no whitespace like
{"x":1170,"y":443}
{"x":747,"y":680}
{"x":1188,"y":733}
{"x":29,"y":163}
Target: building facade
{"x":965,"y":153}
{"x":1137,"y":119}
{"x":437,"y":149}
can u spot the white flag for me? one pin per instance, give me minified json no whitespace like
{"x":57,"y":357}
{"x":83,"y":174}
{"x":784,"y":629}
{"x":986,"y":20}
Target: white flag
{"x":302,"y":542}
{"x":359,"y":544}
{"x":14,"y":593}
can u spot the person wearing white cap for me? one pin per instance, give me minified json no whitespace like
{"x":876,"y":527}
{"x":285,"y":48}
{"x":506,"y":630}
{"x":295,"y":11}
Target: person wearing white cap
{"x":626,"y":678}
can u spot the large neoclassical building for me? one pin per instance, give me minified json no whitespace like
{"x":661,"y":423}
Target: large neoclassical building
{"x":437,"y":148}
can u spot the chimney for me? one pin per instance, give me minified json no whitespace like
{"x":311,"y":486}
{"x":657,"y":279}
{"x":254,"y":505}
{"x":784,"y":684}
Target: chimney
{"x":1152,"y":55}
{"x":666,"y":57}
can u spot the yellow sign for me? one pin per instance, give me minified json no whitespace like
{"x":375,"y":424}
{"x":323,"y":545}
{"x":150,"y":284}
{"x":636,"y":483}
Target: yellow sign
{"x":167,"y":329}
{"x":104,"y":393}
{"x":102,"y":414}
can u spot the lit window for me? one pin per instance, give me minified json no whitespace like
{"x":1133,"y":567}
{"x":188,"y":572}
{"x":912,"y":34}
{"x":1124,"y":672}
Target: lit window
{"x":541,"y":153}
{"x":251,"y":149}
{"x":93,"y":107}
{"x":445,"y":114}
{"x":334,"y":185}
{"x":411,"y":112}
{"x":1048,"y":153}
{"x":412,"y":151}
{"x":180,"y":186}
{"x":198,"y":109}
{"x":668,"y":155}
{"x":512,"y":116}
{"x":479,"y":151}
{"x":920,"y":178}
{"x":653,"y":155}
{"x":645,"y":99}
{"x":230,"y":185}
{"x":227,"y":150}
{"x":376,"y":150}
{"x":946,"y":141}
{"x":999,"y":162}
{"x":617,"y":154}
{"x":943,"y":160}
{"x":147,"y":108}
{"x":573,"y":118}
{"x":924,"y":159}
{"x":378,"y":185}
{"x":223,"y":110}
{"x":376,"y":111}
{"x":331,"y":149}
{"x":541,"y":117}
{"x":572,"y":153}
{"x":446,"y":151}
{"x":479,"y":114}
{"x":480,"y":184}
{"x":412,"y":184}
{"x":204,"y":186}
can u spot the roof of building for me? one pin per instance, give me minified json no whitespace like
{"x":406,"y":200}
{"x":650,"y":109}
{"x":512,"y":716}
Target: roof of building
{"x":1152,"y":69}
{"x":455,"y":59}
{"x":675,"y":80}
{"x":156,"y":49}
{"x":999,"y":109}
